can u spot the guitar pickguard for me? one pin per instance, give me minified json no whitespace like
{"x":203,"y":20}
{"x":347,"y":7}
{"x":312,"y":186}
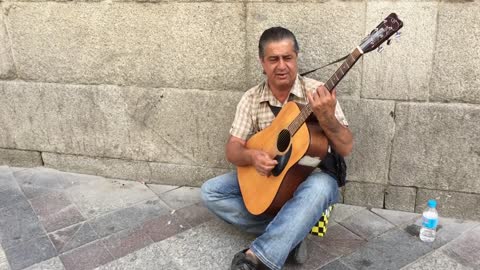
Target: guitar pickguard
{"x":282,"y":162}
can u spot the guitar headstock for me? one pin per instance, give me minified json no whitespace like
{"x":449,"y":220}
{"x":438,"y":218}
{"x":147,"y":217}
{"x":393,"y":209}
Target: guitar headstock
{"x":389,"y":26}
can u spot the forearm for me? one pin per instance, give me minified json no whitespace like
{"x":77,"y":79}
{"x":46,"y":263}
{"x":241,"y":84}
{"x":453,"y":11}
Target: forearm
{"x":339,"y":136}
{"x":238,"y":154}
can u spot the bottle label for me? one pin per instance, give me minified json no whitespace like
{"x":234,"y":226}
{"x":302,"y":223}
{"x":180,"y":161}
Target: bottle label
{"x":430,"y":223}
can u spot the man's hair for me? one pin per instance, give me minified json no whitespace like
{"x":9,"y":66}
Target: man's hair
{"x":275,"y":34}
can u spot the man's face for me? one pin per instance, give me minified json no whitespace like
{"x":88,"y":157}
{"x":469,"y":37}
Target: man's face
{"x":280,"y":63}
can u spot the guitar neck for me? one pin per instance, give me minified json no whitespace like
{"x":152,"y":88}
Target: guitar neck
{"x":330,"y":85}
{"x":343,"y":69}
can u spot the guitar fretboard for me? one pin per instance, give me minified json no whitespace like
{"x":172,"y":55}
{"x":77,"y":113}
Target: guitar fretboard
{"x":330,"y":85}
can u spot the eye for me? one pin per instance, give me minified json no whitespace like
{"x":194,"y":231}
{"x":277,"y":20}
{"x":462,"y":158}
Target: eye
{"x":273,"y":59}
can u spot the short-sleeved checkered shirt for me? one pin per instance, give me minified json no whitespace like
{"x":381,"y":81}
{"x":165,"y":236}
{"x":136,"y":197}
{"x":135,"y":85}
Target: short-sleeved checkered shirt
{"x":254,"y":113}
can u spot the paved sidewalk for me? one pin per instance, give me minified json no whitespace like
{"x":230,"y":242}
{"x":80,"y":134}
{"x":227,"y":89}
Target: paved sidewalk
{"x":55,"y":220}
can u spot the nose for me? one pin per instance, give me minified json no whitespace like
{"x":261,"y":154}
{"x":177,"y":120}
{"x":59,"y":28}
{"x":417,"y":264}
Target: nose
{"x":282,"y":64}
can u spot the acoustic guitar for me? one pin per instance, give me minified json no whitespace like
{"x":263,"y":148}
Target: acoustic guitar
{"x":294,"y":137}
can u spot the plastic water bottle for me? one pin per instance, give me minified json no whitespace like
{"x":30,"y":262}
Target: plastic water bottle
{"x":429,"y":222}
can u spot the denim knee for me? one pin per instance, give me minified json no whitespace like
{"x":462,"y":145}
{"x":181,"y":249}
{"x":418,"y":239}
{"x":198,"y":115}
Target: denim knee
{"x":322,"y":187}
{"x":217,"y":189}
{"x":205,"y":192}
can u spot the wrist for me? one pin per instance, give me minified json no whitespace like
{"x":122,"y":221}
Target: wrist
{"x":250,"y":154}
{"x":324,"y":117}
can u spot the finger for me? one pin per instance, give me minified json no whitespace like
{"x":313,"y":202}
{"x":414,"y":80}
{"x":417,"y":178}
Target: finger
{"x":310,"y":97}
{"x":334,"y":94}
{"x":271,"y":162}
{"x":269,"y":168}
{"x":268,"y":161}
{"x":322,"y":91}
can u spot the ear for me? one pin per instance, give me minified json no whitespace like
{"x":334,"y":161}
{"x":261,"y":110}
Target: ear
{"x":260,"y":60}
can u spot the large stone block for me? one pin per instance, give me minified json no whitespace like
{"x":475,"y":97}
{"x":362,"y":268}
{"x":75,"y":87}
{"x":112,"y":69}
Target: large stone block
{"x":187,"y":127}
{"x":20,"y":158}
{"x":364,"y":194}
{"x":450,"y":203}
{"x":403,"y":70}
{"x":325,"y":31}
{"x":111,"y":168}
{"x":456,"y":67}
{"x":437,"y":146}
{"x":7,"y":67}
{"x":148,"y":172}
{"x":400,"y":198}
{"x":373,"y":128}
{"x":179,"y":45}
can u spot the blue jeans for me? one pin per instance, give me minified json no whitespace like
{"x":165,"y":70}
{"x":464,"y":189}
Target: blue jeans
{"x":278,"y":235}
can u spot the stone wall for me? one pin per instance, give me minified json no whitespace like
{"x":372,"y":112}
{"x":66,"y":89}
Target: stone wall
{"x":147,"y":90}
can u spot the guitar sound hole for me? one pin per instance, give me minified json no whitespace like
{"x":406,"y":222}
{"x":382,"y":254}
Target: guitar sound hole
{"x":283,"y":140}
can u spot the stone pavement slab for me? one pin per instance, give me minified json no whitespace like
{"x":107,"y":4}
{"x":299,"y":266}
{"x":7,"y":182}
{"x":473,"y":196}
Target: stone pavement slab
{"x":181,"y":197}
{"x":160,"y":189}
{"x":129,"y":217}
{"x":391,"y":250}
{"x":85,"y":257}
{"x":51,"y":264}
{"x":366,"y":224}
{"x":56,"y":211}
{"x":63,"y":221}
{"x":397,"y":217}
{"x":466,"y":248}
{"x":338,"y":240}
{"x":166,"y":226}
{"x":19,"y":223}
{"x":30,"y":252}
{"x":3,"y":260}
{"x":336,"y":265}
{"x":72,"y":237}
{"x":211,"y":244}
{"x":436,"y":260}
{"x":126,"y":241}
{"x":149,"y":258}
{"x":343,"y":211}
{"x":195,"y":214}
{"x":100,"y":197}
{"x":10,"y":192}
{"x":318,"y":256}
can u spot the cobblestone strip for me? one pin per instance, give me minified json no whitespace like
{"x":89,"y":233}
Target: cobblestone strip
{"x":3,"y":260}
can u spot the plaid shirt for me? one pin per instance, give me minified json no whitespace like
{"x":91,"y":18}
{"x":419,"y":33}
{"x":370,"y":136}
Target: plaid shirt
{"x":253,"y":111}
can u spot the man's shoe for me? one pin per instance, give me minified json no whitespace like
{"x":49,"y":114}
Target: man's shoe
{"x":299,"y":254}
{"x":241,"y":262}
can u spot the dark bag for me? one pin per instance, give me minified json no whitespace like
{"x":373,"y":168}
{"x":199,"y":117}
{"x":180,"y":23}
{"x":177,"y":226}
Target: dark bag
{"x":334,"y":165}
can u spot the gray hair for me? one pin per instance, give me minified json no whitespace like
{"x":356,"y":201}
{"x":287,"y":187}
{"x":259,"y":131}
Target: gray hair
{"x":276,"y":34}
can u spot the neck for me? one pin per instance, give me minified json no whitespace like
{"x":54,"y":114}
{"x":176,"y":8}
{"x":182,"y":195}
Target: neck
{"x":281,"y":93}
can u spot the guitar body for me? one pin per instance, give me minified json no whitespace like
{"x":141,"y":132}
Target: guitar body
{"x":267,"y":194}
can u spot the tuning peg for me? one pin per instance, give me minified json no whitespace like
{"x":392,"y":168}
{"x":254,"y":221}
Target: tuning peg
{"x":389,"y":41}
{"x":380,"y":49}
{"x":397,"y":35}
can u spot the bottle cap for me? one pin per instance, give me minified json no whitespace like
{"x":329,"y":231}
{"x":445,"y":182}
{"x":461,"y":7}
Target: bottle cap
{"x":432,"y":203}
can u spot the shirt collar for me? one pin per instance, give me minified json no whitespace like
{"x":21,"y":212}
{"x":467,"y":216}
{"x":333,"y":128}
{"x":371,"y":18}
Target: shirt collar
{"x":266,"y":93}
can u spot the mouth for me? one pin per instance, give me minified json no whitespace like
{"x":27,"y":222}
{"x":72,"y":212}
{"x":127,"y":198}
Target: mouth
{"x":282,"y":75}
